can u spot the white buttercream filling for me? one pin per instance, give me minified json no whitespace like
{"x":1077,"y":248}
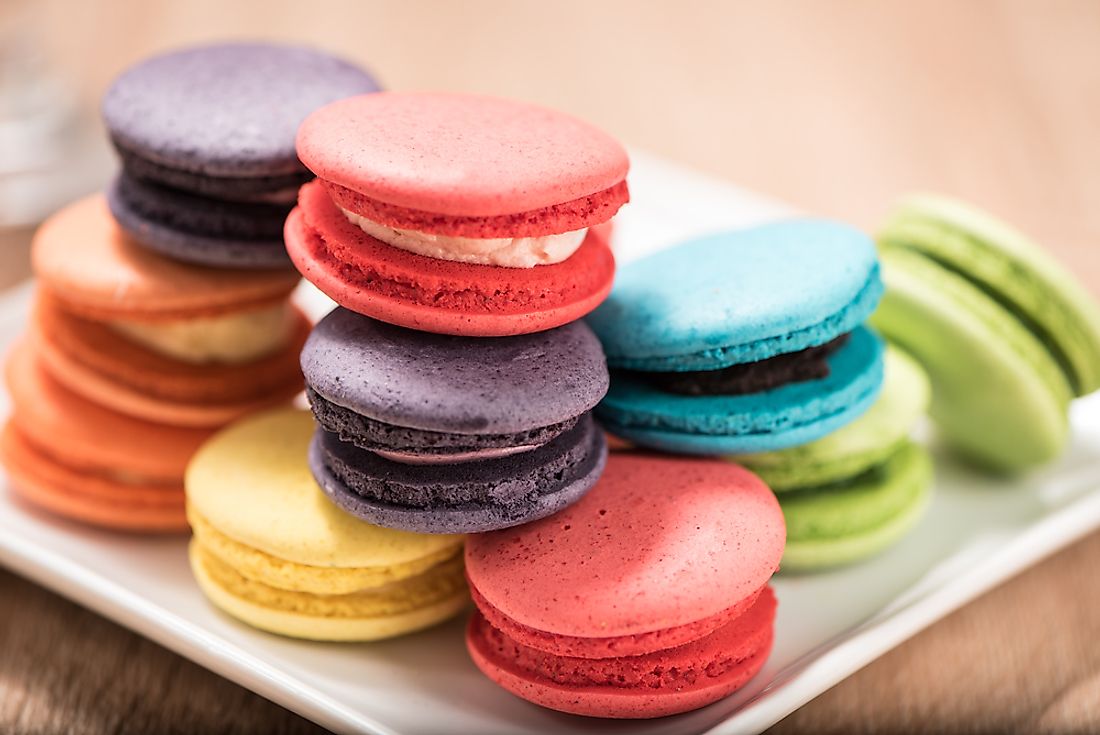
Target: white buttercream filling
{"x":509,"y":252}
{"x":228,"y":338}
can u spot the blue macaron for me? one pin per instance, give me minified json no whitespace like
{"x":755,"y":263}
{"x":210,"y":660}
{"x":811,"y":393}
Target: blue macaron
{"x":743,"y":341}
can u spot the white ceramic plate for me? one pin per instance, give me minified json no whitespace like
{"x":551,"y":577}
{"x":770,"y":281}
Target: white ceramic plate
{"x":977,"y":533}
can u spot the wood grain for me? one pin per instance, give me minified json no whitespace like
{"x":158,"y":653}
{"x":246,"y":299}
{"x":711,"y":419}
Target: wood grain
{"x":835,"y":105}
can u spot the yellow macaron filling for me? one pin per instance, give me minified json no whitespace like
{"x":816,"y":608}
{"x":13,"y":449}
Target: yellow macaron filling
{"x":263,"y":568}
{"x":235,"y":338}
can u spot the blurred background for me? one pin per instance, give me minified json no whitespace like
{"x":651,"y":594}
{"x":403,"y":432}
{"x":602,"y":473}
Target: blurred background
{"x":833,"y":105}
{"x":836,"y":106}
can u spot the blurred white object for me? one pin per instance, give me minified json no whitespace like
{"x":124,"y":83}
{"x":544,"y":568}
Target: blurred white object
{"x":49,"y":155}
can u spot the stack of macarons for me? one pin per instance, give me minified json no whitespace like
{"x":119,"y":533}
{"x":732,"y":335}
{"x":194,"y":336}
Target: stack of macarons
{"x":1008,"y":336}
{"x":135,"y":327}
{"x":206,"y":140}
{"x":463,"y":237}
{"x":270,"y":550}
{"x":753,"y":343}
{"x":648,"y":597}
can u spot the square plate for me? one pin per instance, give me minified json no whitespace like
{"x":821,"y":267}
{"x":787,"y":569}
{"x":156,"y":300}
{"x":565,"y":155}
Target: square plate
{"x":978,"y":532}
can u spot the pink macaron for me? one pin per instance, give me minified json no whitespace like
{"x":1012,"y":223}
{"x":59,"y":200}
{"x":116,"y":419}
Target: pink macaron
{"x":456,"y":213}
{"x":646,"y":598}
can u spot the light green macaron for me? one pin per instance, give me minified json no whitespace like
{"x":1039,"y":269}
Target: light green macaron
{"x":852,"y":493}
{"x":1007,"y":335}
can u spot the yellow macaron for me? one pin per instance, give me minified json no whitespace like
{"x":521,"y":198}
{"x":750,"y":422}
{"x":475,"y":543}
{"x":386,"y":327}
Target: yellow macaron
{"x":271,"y":550}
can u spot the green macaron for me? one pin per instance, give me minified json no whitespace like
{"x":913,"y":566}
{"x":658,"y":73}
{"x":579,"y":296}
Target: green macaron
{"x":856,"y":491}
{"x":1007,"y":335}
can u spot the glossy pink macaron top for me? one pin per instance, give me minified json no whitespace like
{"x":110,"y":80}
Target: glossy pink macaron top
{"x":459,"y":154}
{"x":659,"y":542}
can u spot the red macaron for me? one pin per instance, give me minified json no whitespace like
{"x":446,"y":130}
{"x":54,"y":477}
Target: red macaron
{"x":457,"y":214}
{"x":646,"y":598}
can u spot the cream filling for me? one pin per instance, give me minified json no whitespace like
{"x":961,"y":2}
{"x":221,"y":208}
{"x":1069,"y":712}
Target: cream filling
{"x":229,"y":338}
{"x":509,"y":252}
{"x":455,"y":458}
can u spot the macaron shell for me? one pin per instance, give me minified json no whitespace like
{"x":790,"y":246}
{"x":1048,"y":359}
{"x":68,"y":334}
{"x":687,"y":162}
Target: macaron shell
{"x":84,"y":258}
{"x":849,"y":522}
{"x":228,"y":109}
{"x":94,"y":361}
{"x":48,"y":483}
{"x":452,"y":384}
{"x":440,"y":296}
{"x":535,"y":492}
{"x":1003,"y":261}
{"x":90,"y":436}
{"x":321,"y":626}
{"x":459,"y":154}
{"x":739,"y":296}
{"x":793,"y":414}
{"x":712,"y":526}
{"x":997,"y":395}
{"x":295,"y":522}
{"x":741,"y":648}
{"x":183,"y":241}
{"x":855,"y":448}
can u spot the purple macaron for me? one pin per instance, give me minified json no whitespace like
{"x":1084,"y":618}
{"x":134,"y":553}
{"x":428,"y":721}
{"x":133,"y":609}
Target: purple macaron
{"x":206,"y":139}
{"x":441,"y":434}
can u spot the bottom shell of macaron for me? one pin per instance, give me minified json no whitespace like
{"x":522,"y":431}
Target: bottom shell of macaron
{"x":654,"y":684}
{"x":394,"y":609}
{"x":859,"y":517}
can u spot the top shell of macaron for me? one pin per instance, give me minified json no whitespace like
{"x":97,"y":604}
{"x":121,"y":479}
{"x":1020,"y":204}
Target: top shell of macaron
{"x":228,"y":109}
{"x":659,"y":542}
{"x":1038,"y":291}
{"x":739,"y":296}
{"x":459,"y":154}
{"x":437,"y":382}
{"x":252,"y":483}
{"x":86,"y":260}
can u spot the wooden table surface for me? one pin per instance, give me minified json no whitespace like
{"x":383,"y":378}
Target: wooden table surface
{"x":836,"y":106}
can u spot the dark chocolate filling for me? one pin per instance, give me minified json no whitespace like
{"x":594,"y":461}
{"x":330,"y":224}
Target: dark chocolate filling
{"x":750,"y":377}
{"x":371,"y":434}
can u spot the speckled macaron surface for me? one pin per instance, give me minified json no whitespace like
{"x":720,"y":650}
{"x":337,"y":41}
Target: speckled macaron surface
{"x":226,"y":110}
{"x":270,"y":549}
{"x":457,"y":213}
{"x":453,"y":384}
{"x":79,"y":460}
{"x":437,"y":433}
{"x":461,"y":155}
{"x":206,"y":138}
{"x":858,"y":490}
{"x":1007,"y":336}
{"x":749,"y":340}
{"x":664,"y":560}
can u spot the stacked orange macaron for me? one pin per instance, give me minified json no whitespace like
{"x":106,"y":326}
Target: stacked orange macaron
{"x":130,"y":361}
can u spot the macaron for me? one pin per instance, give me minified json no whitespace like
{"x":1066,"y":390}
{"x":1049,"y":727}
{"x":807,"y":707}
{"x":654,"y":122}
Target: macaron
{"x":455,"y":213}
{"x":648,"y":597}
{"x":160,"y":340}
{"x":443,"y":434}
{"x":856,"y":491}
{"x":270,"y":550}
{"x":206,"y":139}
{"x":81,"y":461}
{"x":1007,"y":335}
{"x":743,"y":341}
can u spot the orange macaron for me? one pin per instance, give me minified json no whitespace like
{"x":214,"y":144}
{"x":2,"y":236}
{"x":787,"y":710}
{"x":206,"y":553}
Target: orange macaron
{"x":156,"y":339}
{"x":80,"y":460}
